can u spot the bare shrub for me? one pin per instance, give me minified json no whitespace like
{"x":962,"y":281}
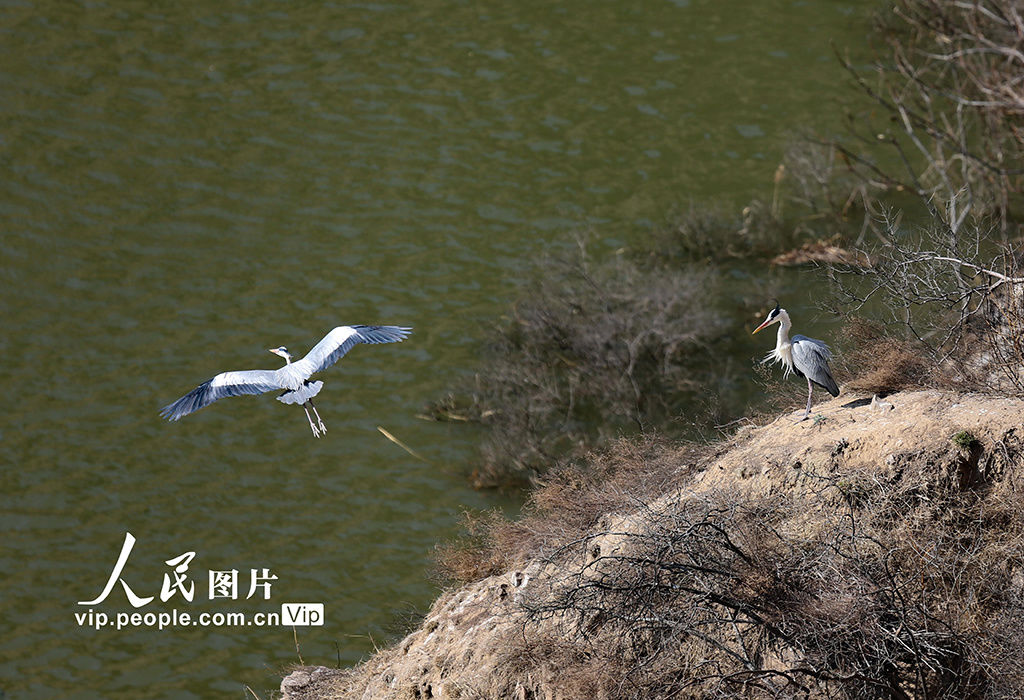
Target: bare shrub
{"x":818,"y":182}
{"x":906,"y":591}
{"x":943,"y":131}
{"x":591,"y":350}
{"x":709,"y":232}
{"x":695,"y":233}
{"x":802,"y":206}
{"x":951,"y":124}
{"x":951,"y":308}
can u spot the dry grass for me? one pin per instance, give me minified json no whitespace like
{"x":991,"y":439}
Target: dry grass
{"x":568,"y":502}
{"x":878,"y":363}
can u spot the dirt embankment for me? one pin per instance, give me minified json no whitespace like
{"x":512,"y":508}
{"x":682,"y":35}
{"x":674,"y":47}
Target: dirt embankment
{"x":797,"y":559}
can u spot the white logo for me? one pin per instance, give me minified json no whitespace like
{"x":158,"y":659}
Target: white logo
{"x":222,"y":584}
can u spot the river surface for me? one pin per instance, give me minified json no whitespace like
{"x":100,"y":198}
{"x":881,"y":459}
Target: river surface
{"x":187,"y":184}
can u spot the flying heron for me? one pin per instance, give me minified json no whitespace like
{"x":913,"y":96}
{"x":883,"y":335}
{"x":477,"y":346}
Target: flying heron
{"x":293,"y":377}
{"x":805,"y":356}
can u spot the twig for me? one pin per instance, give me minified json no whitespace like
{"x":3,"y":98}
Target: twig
{"x":295,"y":634}
{"x":401,"y":444}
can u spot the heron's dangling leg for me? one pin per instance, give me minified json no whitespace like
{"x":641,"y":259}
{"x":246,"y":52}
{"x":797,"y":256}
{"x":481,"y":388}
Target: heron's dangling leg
{"x":323,"y":428}
{"x":316,"y":433}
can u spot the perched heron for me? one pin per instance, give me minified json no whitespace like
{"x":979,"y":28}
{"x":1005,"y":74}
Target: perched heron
{"x":805,"y":356}
{"x":293,"y":377}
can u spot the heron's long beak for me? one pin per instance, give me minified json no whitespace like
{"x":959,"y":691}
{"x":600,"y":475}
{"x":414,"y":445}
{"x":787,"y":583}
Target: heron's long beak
{"x":767,"y":322}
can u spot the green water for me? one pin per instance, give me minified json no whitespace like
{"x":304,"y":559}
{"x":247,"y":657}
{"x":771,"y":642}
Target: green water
{"x":187,"y":184}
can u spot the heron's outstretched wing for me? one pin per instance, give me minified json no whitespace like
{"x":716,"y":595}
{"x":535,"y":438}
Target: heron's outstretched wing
{"x":255,"y":381}
{"x":811,"y":357}
{"x":339,"y":341}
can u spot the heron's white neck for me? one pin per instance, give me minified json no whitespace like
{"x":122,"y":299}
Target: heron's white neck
{"x":784,"y":325}
{"x":287,"y":360}
{"x":783,"y":352}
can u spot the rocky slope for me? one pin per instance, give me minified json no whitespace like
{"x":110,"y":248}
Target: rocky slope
{"x":874,"y":548}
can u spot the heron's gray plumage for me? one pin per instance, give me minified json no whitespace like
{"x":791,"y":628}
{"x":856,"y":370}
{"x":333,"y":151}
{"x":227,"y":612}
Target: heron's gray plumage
{"x":339,"y":341}
{"x":805,"y":356}
{"x":293,"y":377}
{"x":225,"y":384}
{"x":810,"y":359}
